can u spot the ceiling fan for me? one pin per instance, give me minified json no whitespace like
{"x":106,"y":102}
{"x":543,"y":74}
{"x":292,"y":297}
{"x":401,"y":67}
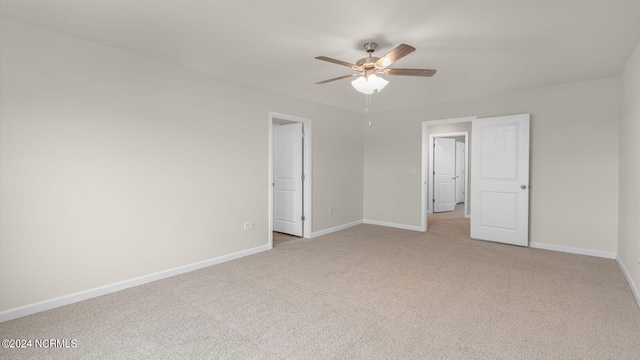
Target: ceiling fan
{"x":370,"y":65}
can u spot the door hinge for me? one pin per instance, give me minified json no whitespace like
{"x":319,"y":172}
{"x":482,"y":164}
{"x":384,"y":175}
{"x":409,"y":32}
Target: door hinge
{"x":303,"y":177}
{"x":302,"y":134}
{"x":302,"y":218}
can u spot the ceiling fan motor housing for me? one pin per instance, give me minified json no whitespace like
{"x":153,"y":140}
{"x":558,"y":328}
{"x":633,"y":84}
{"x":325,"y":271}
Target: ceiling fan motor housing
{"x":368,"y":62}
{"x":367,"y":65}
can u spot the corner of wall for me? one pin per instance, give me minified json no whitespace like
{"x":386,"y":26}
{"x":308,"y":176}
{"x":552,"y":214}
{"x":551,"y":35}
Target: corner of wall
{"x":628,"y":245}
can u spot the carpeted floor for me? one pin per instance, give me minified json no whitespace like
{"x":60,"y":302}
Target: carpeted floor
{"x":367,"y":292}
{"x":450,"y":224}
{"x":280,"y":238}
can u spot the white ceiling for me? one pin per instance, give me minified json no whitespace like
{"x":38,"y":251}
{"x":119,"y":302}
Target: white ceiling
{"x":479,"y":47}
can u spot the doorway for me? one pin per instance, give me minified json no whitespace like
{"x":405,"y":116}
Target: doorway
{"x":448,"y":169}
{"x":498,"y":205}
{"x":277,"y":119}
{"x":455,"y":127}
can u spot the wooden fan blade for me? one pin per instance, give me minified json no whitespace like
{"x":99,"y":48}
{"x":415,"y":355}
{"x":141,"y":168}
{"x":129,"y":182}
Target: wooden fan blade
{"x":394,"y":55}
{"x":337,"y":78}
{"x":409,"y":72}
{"x":339,"y":62}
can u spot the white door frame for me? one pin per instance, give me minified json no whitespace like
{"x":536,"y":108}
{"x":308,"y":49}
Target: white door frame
{"x":424,"y":193}
{"x":461,"y":171}
{"x":306,"y":150}
{"x":466,"y":168}
{"x":287,"y":177}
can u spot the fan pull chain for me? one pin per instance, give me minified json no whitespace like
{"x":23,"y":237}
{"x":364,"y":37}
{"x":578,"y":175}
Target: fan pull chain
{"x":368,"y":106}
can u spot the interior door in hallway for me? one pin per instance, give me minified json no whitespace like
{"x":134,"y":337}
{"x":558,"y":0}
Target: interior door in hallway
{"x":500,"y":179}
{"x":444,"y":177}
{"x":287,"y":178}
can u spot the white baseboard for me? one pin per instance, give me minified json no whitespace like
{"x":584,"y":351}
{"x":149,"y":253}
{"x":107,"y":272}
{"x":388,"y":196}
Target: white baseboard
{"x":572,"y":250}
{"x":634,"y":289}
{"x":393,"y":225}
{"x":335,"y":228}
{"x":111,"y":288}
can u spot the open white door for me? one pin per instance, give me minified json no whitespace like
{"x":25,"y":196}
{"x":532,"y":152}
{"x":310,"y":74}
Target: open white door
{"x":500,"y":179}
{"x":460,"y":176}
{"x":444,"y":179}
{"x":287,"y":178}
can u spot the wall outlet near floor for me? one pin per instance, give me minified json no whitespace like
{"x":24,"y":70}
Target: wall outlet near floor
{"x":406,"y":208}
{"x":246,"y":226}
{"x":330,"y":211}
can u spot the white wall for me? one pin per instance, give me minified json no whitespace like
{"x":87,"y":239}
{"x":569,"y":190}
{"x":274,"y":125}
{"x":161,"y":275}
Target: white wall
{"x":392,"y":148}
{"x":574,"y":160}
{"x":629,"y":193}
{"x":341,"y":149}
{"x":115,"y":166}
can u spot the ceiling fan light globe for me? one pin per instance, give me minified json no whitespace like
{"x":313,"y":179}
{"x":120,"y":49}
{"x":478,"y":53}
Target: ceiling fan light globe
{"x":368,"y":86}
{"x":361,"y":85}
{"x":378,"y":82}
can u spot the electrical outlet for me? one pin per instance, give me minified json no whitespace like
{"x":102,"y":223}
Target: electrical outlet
{"x":406,"y":208}
{"x":246,"y":226}
{"x":330,"y":211}
{"x":252,"y":225}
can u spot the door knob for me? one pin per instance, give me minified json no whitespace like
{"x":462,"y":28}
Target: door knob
{"x":523,"y":187}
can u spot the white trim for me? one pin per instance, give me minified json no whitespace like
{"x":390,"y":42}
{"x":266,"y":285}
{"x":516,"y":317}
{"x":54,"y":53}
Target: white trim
{"x":335,"y":228}
{"x":115,"y":287}
{"x":634,"y":289}
{"x":270,"y":184}
{"x":423,"y":188}
{"x":572,"y":250}
{"x":393,"y":225}
{"x":450,"y":121}
{"x":306,"y":230}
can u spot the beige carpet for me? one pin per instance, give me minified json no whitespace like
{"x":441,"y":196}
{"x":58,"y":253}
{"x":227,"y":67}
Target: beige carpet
{"x":450,"y":224}
{"x":280,"y":238}
{"x":367,"y":292}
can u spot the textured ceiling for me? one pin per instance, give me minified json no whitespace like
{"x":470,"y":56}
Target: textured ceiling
{"x":479,"y":47}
